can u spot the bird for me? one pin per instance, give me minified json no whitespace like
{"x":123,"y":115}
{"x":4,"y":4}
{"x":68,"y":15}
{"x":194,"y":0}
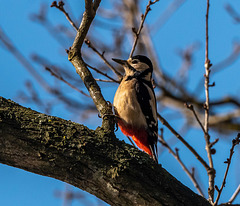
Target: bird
{"x":135,"y":104}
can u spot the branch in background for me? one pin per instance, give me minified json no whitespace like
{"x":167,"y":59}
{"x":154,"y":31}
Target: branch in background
{"x":60,"y":6}
{"x":177,"y":157}
{"x":66,"y":82}
{"x":22,"y":59}
{"x":235,"y":194}
{"x":235,"y":142}
{"x":137,"y":33}
{"x":65,"y":71}
{"x":191,"y":108}
{"x":101,"y":55}
{"x":41,"y":18}
{"x":220,"y":66}
{"x":201,"y":160}
{"x":233,"y":13}
{"x":104,"y":74}
{"x":165,"y":16}
{"x":42,"y":82}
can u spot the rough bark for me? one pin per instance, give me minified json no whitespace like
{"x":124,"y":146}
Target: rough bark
{"x":94,"y":161}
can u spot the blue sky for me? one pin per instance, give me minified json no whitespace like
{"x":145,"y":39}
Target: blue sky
{"x":186,"y":26}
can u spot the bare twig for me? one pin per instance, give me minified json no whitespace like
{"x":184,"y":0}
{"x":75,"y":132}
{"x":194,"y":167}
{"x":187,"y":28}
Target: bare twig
{"x":229,"y":60}
{"x":66,"y":82}
{"x":41,"y":18}
{"x":29,"y":67}
{"x":102,"y":73}
{"x":105,"y":80}
{"x":211,"y":172}
{"x":201,"y":160}
{"x":60,"y":6}
{"x":213,"y":143}
{"x":233,"y":13}
{"x":165,"y":16}
{"x":190,"y":107}
{"x":22,"y":59}
{"x":101,"y":55}
{"x":177,"y":157}
{"x":235,"y":194}
{"x":235,"y":142}
{"x":137,"y":33}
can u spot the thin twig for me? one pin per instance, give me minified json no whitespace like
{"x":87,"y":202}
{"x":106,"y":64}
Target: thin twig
{"x":29,"y":67}
{"x":66,"y":82}
{"x":60,"y":6}
{"x":100,"y":72}
{"x":190,"y":107}
{"x":211,"y":172}
{"x":105,"y":80}
{"x":229,"y":60}
{"x":233,"y":13}
{"x":235,"y":194}
{"x":137,"y":33}
{"x":130,"y":140}
{"x":166,"y":15}
{"x":201,"y":160}
{"x":22,"y":59}
{"x":177,"y":157}
{"x":235,"y":142}
{"x":101,"y":55}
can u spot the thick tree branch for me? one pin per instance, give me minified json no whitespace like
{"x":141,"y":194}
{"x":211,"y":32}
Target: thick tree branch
{"x":94,"y":161}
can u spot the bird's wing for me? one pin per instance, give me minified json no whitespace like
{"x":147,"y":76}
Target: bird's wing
{"x":147,"y":100}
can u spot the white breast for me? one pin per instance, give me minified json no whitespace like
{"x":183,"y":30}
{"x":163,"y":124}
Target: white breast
{"x":126,"y":105}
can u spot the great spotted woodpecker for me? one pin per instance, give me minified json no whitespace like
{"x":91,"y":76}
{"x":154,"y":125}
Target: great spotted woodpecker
{"x":135,"y":104}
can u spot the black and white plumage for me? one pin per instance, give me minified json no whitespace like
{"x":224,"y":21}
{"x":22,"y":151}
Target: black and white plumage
{"x":135,"y":104}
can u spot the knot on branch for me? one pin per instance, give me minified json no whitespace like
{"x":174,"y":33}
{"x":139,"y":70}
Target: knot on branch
{"x":73,"y":52}
{"x":211,"y":171}
{"x":189,"y":106}
{"x":207,"y":64}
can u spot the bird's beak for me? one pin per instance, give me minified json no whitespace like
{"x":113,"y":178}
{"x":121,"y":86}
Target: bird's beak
{"x":120,"y":61}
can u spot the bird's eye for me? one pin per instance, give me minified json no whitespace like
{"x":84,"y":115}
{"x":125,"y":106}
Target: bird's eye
{"x":134,"y":61}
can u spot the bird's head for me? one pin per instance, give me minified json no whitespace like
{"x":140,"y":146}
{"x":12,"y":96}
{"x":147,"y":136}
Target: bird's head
{"x":137,"y":64}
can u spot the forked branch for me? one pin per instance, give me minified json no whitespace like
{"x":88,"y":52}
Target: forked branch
{"x":74,"y":56}
{"x":137,"y":33}
{"x":177,"y":157}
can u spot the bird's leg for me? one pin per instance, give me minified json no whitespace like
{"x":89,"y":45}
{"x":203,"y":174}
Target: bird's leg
{"x":111,"y":115}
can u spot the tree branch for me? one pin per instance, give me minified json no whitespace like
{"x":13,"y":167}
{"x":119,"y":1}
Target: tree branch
{"x":174,"y":132}
{"x":74,"y":56}
{"x":137,"y":33}
{"x":235,"y":142}
{"x":94,"y":161}
{"x":211,"y":172}
{"x":184,"y":167}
